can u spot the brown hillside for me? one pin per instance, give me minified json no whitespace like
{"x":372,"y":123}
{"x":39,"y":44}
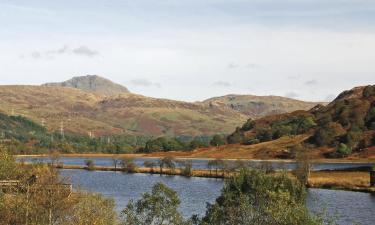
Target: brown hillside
{"x":259,"y":106}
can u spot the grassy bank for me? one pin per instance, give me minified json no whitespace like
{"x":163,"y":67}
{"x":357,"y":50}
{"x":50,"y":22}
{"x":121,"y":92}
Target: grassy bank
{"x":340,"y":180}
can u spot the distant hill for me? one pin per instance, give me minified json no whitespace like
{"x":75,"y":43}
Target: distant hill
{"x":259,"y":106}
{"x":84,"y":112}
{"x":92,"y":83}
{"x":94,"y":104}
{"x":345,"y":127}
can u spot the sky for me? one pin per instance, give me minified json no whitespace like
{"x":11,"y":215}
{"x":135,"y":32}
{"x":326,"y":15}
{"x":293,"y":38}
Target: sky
{"x":193,"y":49}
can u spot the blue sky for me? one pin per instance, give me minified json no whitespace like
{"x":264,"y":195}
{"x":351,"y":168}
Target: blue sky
{"x":193,"y":49}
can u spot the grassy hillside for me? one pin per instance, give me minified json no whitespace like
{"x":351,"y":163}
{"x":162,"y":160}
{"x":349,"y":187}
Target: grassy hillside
{"x":343,"y":128}
{"x":260,"y":106}
{"x":83,"y":112}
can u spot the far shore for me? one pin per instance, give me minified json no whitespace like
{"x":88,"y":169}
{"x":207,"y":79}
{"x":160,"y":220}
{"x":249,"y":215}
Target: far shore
{"x":334,"y":180}
{"x":176,"y":155}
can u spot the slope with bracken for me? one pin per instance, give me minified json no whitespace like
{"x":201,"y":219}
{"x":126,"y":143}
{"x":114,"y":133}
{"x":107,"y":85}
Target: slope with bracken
{"x":94,"y":104}
{"x":82,"y":112}
{"x":343,"y":128}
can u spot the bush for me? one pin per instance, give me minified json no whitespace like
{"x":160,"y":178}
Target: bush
{"x":236,"y":138}
{"x":369,"y":91}
{"x":89,"y":164}
{"x":128,"y":165}
{"x":256,"y":198}
{"x":217,"y":140}
{"x":158,"y":207}
{"x":248,"y":125}
{"x":343,"y":150}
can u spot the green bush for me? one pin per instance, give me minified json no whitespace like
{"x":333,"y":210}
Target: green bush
{"x":343,"y":150}
{"x":217,"y":140}
{"x":256,"y":198}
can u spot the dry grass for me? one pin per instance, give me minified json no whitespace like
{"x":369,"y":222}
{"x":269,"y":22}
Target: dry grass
{"x":338,"y":179}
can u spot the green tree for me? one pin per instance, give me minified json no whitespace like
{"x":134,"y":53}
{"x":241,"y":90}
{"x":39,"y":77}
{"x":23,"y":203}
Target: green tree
{"x":343,"y":150}
{"x":128,"y":165}
{"x":158,"y":207}
{"x":256,"y":198}
{"x":217,"y":140}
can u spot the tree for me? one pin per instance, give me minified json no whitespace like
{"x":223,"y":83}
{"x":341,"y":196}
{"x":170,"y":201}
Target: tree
{"x":216,"y":164}
{"x":7,"y":165}
{"x":343,"y":150}
{"x":236,"y":138}
{"x":115,"y":162}
{"x":89,"y":164}
{"x":303,"y":164}
{"x":128,"y":165}
{"x":248,"y":125}
{"x":186,"y":167}
{"x":217,"y":140}
{"x":167,"y":162}
{"x":149,"y":164}
{"x":93,"y":209}
{"x":55,"y":158}
{"x":256,"y":198}
{"x":158,"y":207}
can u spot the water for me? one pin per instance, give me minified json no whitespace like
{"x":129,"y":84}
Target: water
{"x":194,"y":193}
{"x":198,"y":163}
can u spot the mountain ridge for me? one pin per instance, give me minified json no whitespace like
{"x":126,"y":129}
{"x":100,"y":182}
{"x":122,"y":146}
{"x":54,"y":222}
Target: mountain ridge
{"x":85,"y":108}
{"x":92,"y":83}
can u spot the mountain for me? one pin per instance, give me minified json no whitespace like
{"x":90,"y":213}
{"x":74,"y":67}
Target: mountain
{"x":92,"y":83}
{"x":91,"y":104}
{"x":345,"y":127}
{"x":83,"y":112}
{"x":259,"y":106}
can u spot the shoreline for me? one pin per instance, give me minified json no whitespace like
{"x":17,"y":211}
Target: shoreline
{"x":150,"y":156}
{"x":358,"y":181}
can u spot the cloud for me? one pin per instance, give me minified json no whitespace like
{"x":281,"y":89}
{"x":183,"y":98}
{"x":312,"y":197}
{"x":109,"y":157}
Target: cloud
{"x":291,"y":95}
{"x":222,"y":84}
{"x":311,"y":82}
{"x":52,"y":53}
{"x":145,"y":83}
{"x":85,"y":51}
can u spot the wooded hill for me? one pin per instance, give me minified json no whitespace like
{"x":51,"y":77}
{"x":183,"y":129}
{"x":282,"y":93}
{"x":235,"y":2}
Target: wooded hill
{"x":344,"y":127}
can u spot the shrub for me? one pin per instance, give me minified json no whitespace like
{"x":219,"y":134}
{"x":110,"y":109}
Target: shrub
{"x":343,"y":150}
{"x":158,"y":207}
{"x":369,"y":91}
{"x":217,"y":140}
{"x":89,"y":164}
{"x":256,"y":198}
{"x":128,"y":165}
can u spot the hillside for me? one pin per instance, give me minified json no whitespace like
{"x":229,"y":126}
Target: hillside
{"x":93,"y":84}
{"x":343,"y":128}
{"x":94,"y":104}
{"x":84,"y":112}
{"x":259,"y":106}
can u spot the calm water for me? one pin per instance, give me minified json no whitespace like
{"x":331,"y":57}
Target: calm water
{"x":196,"y":192}
{"x":198,"y":163}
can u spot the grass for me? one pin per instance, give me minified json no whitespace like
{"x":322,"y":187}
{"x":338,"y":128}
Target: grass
{"x":340,"y":180}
